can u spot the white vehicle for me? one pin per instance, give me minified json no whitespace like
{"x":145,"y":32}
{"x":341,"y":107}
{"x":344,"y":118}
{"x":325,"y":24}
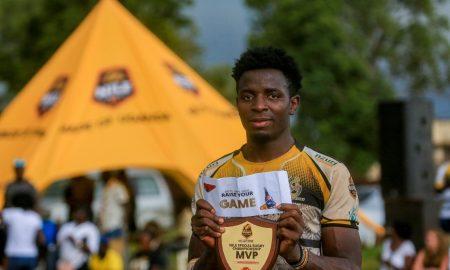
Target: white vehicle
{"x":152,"y":197}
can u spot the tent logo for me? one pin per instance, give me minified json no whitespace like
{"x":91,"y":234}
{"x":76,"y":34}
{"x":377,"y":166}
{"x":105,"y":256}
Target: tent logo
{"x":113,"y":87}
{"x":182,"y":80}
{"x":52,"y":96}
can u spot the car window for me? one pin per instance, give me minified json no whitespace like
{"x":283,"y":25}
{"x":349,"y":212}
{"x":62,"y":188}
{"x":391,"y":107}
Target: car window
{"x":145,"y":185}
{"x":56,"y":190}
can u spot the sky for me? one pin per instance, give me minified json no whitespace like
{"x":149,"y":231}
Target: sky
{"x":223,"y":28}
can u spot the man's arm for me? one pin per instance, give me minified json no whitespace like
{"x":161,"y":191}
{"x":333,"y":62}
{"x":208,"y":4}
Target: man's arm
{"x":199,"y":256}
{"x":341,"y":249}
{"x":205,"y":229}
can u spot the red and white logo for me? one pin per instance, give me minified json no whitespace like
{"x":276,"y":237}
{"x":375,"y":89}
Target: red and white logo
{"x":113,"y":87}
{"x":52,"y":96}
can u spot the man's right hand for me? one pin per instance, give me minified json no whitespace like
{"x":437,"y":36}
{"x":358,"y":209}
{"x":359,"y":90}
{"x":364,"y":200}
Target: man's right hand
{"x":205,"y":224}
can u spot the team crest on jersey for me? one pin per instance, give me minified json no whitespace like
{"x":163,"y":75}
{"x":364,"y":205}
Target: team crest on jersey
{"x":114,"y":86}
{"x":52,"y":96}
{"x":182,"y":80}
{"x":296,"y":190}
{"x":352,"y":188}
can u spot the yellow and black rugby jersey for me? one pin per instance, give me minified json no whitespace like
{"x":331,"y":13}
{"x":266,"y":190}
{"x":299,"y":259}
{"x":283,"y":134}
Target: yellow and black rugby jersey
{"x":321,"y":186}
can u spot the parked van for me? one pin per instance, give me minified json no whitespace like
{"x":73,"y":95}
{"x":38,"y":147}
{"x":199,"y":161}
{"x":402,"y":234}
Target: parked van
{"x":152,"y":197}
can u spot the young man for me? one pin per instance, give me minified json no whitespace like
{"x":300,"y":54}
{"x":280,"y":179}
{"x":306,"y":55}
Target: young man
{"x":317,"y":231}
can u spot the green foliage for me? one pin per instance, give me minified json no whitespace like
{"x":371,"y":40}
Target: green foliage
{"x":349,"y":52}
{"x":31,"y":31}
{"x":220,"y":77}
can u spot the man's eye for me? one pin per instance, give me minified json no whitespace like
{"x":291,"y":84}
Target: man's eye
{"x":247,"y":97}
{"x":274,"y":96}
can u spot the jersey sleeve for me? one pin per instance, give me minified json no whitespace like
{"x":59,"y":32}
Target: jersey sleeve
{"x":341,"y":210}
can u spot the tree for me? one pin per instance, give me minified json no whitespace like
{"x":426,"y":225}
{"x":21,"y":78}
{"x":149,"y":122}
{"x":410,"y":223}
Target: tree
{"x":31,"y":31}
{"x":351,"y":53}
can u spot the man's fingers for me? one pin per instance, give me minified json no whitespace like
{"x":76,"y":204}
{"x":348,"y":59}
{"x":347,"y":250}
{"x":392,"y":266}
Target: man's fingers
{"x":291,"y":224}
{"x":203,"y":213}
{"x":288,"y":207}
{"x":287,"y":234}
{"x":292,"y":214}
{"x":203,"y":204}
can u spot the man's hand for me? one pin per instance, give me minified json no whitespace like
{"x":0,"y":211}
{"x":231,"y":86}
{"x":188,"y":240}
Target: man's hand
{"x":205,"y":224}
{"x":290,"y":229}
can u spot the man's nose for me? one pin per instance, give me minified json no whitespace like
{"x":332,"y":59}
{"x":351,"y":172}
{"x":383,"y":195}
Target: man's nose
{"x":260,"y":103}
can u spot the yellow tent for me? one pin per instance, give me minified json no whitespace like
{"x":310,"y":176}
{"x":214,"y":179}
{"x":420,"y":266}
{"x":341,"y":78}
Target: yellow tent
{"x":115,"y":96}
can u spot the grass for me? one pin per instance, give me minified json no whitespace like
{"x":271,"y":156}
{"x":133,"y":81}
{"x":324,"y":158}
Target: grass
{"x":371,"y":258}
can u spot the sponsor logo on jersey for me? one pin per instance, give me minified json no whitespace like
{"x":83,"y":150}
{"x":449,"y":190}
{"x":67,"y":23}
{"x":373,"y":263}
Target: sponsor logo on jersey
{"x":247,"y":231}
{"x":296,"y":190}
{"x":326,"y":159}
{"x":182,"y":80}
{"x":52,"y":96}
{"x":114,"y":86}
{"x":352,"y":188}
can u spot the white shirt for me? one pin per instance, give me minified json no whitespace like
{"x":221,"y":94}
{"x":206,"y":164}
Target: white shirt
{"x":112,"y":215}
{"x":79,"y":232}
{"x":22,"y":229}
{"x":396,"y":258}
{"x":444,"y":213}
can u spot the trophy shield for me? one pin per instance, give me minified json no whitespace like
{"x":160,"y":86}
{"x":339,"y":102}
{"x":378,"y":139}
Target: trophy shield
{"x":248,"y":243}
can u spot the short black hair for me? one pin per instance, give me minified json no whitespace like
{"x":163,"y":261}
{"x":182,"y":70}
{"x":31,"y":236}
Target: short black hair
{"x":23,"y":200}
{"x":269,"y":58}
{"x":403,"y":229}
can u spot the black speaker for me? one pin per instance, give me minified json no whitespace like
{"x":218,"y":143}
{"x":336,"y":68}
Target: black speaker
{"x":405,"y":148}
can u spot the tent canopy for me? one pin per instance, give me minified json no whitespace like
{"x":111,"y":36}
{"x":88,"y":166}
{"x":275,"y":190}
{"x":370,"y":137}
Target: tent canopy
{"x":114,"y":96}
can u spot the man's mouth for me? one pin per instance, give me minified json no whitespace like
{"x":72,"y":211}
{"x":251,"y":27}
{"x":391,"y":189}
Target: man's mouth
{"x":261,"y":122}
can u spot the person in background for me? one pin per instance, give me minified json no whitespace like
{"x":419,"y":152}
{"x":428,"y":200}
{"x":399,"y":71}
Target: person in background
{"x":24,"y":232}
{"x":50,"y":230}
{"x":80,"y":192}
{"x":398,"y":251}
{"x":77,"y":240}
{"x":106,"y":259}
{"x":435,"y":253}
{"x":19,"y":184}
{"x":442,"y":186}
{"x":113,"y":211}
{"x":150,"y":254}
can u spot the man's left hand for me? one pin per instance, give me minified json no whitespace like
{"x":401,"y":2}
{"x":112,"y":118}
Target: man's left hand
{"x":290,"y":229}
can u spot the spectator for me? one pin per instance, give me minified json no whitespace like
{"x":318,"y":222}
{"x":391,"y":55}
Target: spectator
{"x":50,"y":230}
{"x":442,"y":186}
{"x":435,"y":253}
{"x":24,"y":232}
{"x":150,"y":254}
{"x":113,"y":213}
{"x":398,"y":252}
{"x":19,"y":184}
{"x":106,"y":259}
{"x":80,"y":192}
{"x":77,"y":240}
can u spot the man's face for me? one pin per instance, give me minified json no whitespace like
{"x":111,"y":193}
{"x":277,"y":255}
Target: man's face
{"x":264,"y":104}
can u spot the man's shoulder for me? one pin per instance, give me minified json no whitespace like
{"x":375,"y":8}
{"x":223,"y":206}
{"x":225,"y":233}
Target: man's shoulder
{"x":324,"y":163}
{"x":216,"y":164}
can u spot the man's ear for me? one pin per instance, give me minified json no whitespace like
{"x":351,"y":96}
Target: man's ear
{"x":294,"y":103}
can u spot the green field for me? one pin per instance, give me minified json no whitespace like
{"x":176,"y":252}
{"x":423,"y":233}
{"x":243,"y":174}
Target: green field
{"x":371,"y":258}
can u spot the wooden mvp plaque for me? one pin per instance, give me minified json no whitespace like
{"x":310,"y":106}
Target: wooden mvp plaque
{"x":249,"y":243}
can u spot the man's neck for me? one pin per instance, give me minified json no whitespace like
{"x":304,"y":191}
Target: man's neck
{"x":268,"y":150}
